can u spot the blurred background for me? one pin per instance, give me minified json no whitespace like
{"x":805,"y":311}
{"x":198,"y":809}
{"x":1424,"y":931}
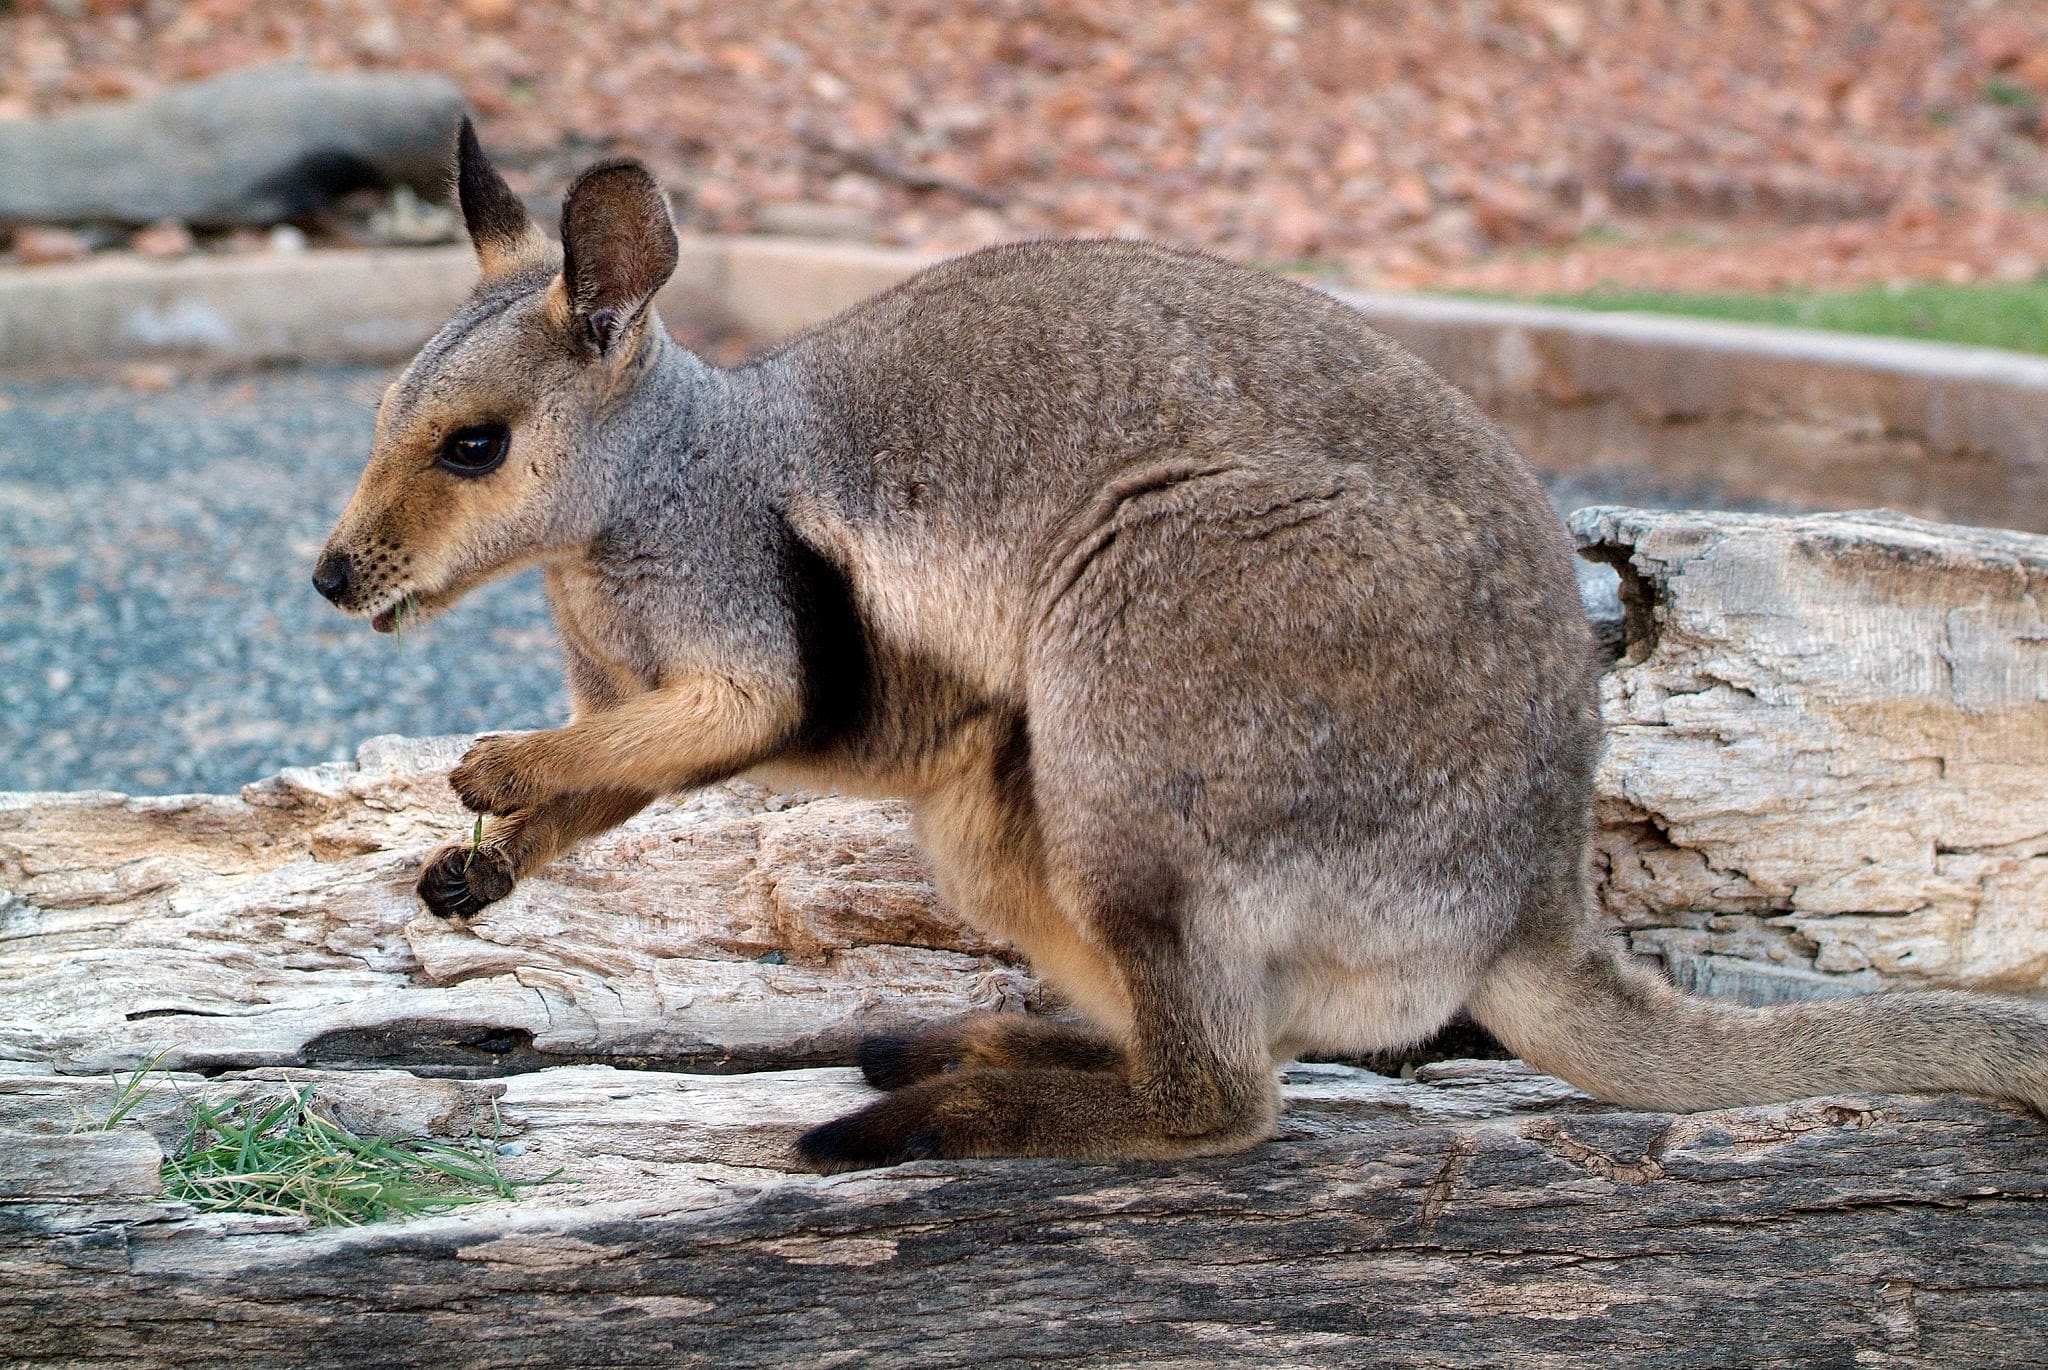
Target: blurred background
{"x":1867,"y":167}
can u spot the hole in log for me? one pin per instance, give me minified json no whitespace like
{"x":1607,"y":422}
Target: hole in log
{"x":1638,"y":604}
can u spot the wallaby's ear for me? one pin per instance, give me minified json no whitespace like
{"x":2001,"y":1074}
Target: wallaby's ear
{"x":499,"y":227}
{"x":618,"y":247}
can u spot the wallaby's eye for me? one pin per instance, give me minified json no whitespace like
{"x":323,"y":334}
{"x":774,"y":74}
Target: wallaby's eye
{"x":474,"y":450}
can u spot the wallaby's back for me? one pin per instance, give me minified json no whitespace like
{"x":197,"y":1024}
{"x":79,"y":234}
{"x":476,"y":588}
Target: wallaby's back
{"x":1276,"y":605}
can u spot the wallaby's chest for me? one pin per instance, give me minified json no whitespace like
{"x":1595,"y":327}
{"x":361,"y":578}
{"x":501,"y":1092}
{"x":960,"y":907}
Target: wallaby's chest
{"x":611,"y":653}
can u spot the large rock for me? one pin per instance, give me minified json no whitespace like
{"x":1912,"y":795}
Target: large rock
{"x":252,"y":147}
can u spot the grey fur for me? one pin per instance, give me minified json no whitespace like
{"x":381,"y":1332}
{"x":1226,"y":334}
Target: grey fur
{"x":1231,"y":659}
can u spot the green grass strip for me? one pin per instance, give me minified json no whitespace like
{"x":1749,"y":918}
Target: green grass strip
{"x":2013,"y":316}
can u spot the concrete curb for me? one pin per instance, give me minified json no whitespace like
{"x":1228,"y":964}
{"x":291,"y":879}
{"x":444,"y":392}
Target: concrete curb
{"x":227,"y":311}
{"x":1777,"y":416}
{"x":374,"y":306}
{"x":1788,"y":416}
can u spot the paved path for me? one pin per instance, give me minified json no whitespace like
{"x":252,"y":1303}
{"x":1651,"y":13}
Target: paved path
{"x":157,"y":630}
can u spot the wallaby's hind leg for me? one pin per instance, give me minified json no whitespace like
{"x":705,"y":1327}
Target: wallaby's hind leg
{"x":981,"y":835}
{"x":1194,"y":1078}
{"x":456,"y":881}
{"x":984,"y":1041}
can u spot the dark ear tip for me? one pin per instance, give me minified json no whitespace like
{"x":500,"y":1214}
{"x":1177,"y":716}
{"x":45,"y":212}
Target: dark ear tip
{"x":469,"y":148}
{"x":491,"y":212}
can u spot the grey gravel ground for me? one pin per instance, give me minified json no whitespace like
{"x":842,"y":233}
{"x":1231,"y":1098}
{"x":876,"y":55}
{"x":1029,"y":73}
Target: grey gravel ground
{"x":158,"y":633}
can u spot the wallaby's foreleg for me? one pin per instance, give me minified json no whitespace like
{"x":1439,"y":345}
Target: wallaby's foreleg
{"x":984,"y":1041}
{"x":689,"y":733}
{"x":1195,"y":1078}
{"x":461,"y":878}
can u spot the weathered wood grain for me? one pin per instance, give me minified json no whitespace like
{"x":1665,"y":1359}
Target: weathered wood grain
{"x":1475,"y":1216}
{"x":1827,"y":755}
{"x":1827,"y":771}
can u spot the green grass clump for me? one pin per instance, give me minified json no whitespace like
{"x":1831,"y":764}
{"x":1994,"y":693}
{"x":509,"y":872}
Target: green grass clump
{"x":288,"y":1160}
{"x":2013,"y":316}
{"x":280,"y":1157}
{"x":131,"y":1094}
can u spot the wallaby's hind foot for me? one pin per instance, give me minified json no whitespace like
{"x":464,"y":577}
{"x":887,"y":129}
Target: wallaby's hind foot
{"x":458,"y":880}
{"x":982,"y":1041}
{"x":1194,"y":1078}
{"x":1030,"y":1111}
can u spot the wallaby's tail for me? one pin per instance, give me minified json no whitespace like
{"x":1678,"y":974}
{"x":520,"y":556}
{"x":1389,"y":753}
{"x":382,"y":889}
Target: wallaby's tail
{"x":1578,"y":1009}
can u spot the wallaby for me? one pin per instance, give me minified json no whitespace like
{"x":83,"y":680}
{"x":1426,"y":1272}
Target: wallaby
{"x":1230,"y":659}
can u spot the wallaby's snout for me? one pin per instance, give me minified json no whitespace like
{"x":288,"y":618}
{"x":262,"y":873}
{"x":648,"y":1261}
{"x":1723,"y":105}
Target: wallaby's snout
{"x":332,"y":577}
{"x":488,"y":453}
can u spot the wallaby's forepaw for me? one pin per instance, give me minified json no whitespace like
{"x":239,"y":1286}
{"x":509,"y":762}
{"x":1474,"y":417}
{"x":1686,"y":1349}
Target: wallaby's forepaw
{"x":458,"y":881}
{"x":491,"y":777}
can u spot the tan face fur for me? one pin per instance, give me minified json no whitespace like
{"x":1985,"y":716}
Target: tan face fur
{"x":415,"y":527}
{"x":547,"y":339}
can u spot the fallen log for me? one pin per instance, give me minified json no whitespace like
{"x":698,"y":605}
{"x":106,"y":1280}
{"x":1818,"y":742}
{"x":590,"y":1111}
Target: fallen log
{"x":1827,"y":751}
{"x":1825,"y":773}
{"x":1475,"y":1215}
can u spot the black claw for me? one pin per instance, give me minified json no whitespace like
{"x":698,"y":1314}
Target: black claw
{"x":447,"y":891}
{"x":458,"y":898}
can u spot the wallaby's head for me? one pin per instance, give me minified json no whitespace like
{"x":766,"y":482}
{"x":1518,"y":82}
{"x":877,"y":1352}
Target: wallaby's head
{"x":489,"y":451}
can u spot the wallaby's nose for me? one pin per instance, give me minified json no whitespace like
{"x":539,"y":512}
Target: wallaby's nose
{"x":331,"y":577}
